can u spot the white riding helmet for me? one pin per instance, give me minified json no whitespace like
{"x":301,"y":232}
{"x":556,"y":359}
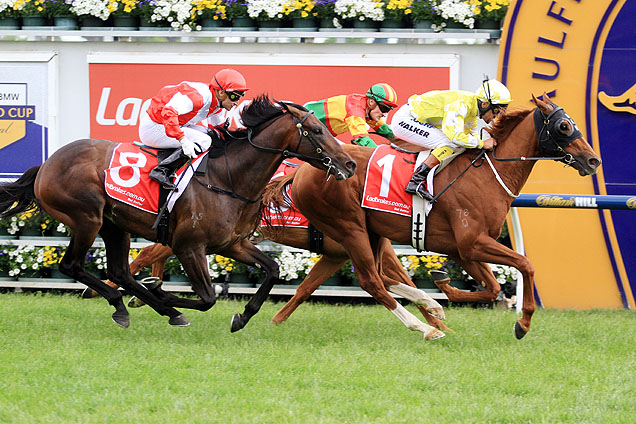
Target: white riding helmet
{"x":494,"y":92}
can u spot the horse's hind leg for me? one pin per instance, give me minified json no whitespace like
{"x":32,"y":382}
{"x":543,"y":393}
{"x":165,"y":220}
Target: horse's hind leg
{"x":117,"y":244}
{"x":397,"y":281}
{"x":321,"y":270}
{"x":72,"y":264}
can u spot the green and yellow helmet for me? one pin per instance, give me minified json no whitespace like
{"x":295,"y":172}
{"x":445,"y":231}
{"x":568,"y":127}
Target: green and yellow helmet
{"x":383,"y":93}
{"x":494,"y":92}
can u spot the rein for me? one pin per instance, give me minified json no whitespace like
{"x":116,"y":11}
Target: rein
{"x":302,"y":132}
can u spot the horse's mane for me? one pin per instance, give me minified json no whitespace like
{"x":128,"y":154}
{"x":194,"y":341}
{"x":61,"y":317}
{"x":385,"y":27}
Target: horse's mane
{"x":263,"y":109}
{"x":506,"y":123}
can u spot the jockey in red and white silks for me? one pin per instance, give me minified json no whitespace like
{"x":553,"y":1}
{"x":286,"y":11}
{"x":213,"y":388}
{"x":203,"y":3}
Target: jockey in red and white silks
{"x":171,"y":119}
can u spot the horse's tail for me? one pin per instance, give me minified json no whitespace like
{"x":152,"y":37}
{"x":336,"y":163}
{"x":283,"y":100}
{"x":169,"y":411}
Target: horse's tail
{"x":18,"y":196}
{"x":275,"y":198}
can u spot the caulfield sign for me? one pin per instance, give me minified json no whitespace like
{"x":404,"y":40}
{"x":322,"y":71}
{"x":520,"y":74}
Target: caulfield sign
{"x":583,"y":53}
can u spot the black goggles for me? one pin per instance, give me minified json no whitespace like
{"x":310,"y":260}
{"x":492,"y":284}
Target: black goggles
{"x":384,"y":108}
{"x":234,"y":95}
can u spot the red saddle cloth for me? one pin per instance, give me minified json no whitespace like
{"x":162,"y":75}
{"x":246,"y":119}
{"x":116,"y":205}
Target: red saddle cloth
{"x":288,"y":216}
{"x":388,"y":173}
{"x":127,"y":178}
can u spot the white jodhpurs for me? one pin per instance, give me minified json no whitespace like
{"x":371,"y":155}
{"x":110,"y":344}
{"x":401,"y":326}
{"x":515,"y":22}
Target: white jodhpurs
{"x":154,"y":135}
{"x":407,"y":128}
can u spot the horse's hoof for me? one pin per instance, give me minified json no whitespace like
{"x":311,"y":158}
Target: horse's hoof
{"x":179,"y":321}
{"x":89,"y":293}
{"x":519,"y":331}
{"x":439,"y":276}
{"x":437,"y":313}
{"x":135,"y":302}
{"x":434,"y":334}
{"x":121,"y":319}
{"x":238,"y":322}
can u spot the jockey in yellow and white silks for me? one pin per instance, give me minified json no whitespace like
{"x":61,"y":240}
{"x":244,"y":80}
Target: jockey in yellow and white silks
{"x":353,"y":112}
{"x":445,"y":121}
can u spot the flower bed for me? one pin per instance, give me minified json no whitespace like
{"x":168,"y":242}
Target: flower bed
{"x":187,"y":15}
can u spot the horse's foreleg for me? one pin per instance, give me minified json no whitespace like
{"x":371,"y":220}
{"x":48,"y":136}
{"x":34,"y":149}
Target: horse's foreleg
{"x":321,"y":270}
{"x":481,"y":273}
{"x":486,"y":249}
{"x":245,"y":252}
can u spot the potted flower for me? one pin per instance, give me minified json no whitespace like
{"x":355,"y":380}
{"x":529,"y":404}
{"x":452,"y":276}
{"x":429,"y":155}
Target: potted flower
{"x":268,"y":13}
{"x":301,"y":12}
{"x":59,"y":11}
{"x":325,"y":11}
{"x":236,"y":12}
{"x":396,"y":13}
{"x":8,"y":15}
{"x":209,"y":14}
{"x":163,"y":14}
{"x":32,"y":12}
{"x":124,"y":13}
{"x":91,"y":13}
{"x":24,"y":261}
{"x":424,"y":14}
{"x":173,"y":271}
{"x":456,"y":14}
{"x":363,"y":13}
{"x":489,"y":13}
{"x":295,"y":265}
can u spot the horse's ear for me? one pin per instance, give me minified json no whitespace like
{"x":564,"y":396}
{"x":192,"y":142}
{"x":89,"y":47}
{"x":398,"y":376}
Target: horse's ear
{"x":546,"y":98}
{"x":541,"y":104}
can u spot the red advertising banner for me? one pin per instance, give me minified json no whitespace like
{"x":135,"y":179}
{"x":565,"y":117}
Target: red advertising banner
{"x":120,"y":91}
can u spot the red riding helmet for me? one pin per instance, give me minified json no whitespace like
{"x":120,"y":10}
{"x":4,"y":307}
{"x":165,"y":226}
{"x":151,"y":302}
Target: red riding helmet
{"x":229,"y":80}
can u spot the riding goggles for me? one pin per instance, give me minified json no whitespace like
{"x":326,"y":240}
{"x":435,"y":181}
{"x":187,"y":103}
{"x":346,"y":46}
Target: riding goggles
{"x":384,"y":108}
{"x":234,"y":95}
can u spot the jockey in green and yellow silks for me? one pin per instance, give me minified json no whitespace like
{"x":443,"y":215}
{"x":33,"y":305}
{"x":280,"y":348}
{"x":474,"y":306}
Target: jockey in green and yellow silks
{"x":353,"y":112}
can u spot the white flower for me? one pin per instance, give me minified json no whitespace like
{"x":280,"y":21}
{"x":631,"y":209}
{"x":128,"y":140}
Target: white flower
{"x":457,"y":10}
{"x":96,"y":8}
{"x":271,"y":9}
{"x":360,"y":9}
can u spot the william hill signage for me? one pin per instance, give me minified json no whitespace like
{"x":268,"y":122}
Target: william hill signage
{"x":583,"y":54}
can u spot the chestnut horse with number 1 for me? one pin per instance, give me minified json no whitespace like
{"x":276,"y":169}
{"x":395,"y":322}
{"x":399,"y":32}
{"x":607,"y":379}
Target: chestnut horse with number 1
{"x":464,"y":222}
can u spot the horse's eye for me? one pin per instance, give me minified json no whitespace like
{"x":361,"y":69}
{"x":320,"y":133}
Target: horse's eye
{"x":565,"y":127}
{"x":317,"y":131}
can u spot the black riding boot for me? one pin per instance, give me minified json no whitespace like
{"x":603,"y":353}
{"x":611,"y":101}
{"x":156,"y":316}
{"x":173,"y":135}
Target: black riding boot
{"x":164,"y":170}
{"x":418,"y":183}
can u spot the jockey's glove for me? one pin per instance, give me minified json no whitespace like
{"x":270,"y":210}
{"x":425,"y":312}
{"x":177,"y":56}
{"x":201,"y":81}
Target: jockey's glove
{"x":385,"y":131}
{"x":364,"y":141}
{"x":190,"y":148}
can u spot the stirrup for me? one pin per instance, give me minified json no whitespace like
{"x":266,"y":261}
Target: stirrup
{"x":423,"y":193}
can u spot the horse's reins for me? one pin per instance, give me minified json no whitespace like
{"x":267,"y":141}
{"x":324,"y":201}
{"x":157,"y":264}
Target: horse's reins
{"x":544,"y":124}
{"x":286,"y":153}
{"x":302,"y":132}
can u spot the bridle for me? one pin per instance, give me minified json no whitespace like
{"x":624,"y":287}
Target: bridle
{"x":302,"y":134}
{"x":552,"y":140}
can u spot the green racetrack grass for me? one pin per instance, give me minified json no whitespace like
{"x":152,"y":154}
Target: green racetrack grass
{"x":63,"y":360}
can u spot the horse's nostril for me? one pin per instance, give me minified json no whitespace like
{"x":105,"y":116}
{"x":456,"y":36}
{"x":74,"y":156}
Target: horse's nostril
{"x":351,"y":164}
{"x":594,"y":162}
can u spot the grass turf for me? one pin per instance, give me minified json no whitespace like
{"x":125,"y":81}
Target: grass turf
{"x":63,"y":360}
